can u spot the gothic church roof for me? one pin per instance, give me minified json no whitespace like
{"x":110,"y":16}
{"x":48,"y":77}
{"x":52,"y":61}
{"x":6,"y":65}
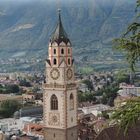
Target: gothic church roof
{"x":59,"y":35}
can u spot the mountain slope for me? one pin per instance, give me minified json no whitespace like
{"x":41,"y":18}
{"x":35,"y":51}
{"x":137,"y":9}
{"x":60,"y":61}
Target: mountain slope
{"x":25,"y":28}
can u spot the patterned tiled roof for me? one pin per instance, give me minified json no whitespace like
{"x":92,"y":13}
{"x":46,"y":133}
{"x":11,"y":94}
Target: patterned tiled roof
{"x":59,"y":35}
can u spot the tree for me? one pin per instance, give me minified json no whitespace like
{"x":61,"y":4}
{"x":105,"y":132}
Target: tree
{"x":127,"y":115}
{"x":104,"y":99}
{"x":122,"y":76}
{"x":89,"y":84}
{"x":81,"y":97}
{"x":105,"y":114}
{"x":25,"y":83}
{"x":110,"y":101}
{"x":12,"y":88}
{"x":8,"y":107}
{"x":87,"y":96}
{"x":129,"y":42}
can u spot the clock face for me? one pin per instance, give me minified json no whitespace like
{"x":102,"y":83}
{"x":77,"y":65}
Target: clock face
{"x":55,"y":73}
{"x":69,"y":74}
{"x":54,"y":119}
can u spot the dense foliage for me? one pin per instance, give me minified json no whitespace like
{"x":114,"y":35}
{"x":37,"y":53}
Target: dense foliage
{"x":128,"y":115}
{"x":109,"y":93}
{"x":129,"y":42}
{"x":6,"y":89}
{"x":8,"y":107}
{"x":122,"y":76}
{"x":89,"y":84}
{"x":84,"y":97}
{"x":25,"y":83}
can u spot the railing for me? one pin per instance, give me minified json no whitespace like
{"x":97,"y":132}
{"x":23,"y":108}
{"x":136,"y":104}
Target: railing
{"x":55,"y":85}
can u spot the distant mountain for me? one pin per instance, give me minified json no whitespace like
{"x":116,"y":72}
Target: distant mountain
{"x":25,"y":27}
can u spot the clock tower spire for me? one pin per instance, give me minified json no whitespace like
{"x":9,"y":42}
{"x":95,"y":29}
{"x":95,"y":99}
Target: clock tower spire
{"x":60,"y":91}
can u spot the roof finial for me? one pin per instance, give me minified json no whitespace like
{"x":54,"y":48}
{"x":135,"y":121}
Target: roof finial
{"x":59,"y":14}
{"x":59,"y":11}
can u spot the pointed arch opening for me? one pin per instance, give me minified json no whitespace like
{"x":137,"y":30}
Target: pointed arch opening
{"x":54,"y":61}
{"x":54,"y":51}
{"x":62,"y":51}
{"x":69,"y":62}
{"x":68,"y":50}
{"x":54,"y":102}
{"x":71,"y":101}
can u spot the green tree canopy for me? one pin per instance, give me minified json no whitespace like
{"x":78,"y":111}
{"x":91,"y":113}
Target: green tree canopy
{"x":122,"y":76}
{"x":12,"y":88}
{"x":129,"y":42}
{"x":8,"y":107}
{"x":25,"y":83}
{"x":83,"y":97}
{"x":127,"y":115}
{"x":89,"y":84}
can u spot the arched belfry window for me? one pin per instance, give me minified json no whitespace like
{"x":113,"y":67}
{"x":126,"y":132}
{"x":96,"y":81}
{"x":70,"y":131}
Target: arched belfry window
{"x":68,"y":50}
{"x":68,"y":61}
{"x":54,"y":61}
{"x":62,"y":51}
{"x":54,"y":51}
{"x":71,"y":102}
{"x":54,"y":102}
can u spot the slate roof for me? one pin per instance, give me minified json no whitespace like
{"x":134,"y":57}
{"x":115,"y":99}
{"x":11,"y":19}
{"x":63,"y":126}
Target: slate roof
{"x":59,"y":35}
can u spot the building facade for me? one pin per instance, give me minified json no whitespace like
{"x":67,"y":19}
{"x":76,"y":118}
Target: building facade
{"x":60,"y":90}
{"x":129,"y":90}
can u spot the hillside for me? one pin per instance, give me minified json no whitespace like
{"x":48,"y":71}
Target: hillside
{"x":25,"y":28}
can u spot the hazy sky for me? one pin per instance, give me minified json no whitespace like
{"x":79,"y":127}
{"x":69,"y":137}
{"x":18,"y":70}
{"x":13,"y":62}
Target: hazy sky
{"x":56,"y":1}
{"x":44,"y":0}
{"x":22,"y":0}
{"x":66,"y":1}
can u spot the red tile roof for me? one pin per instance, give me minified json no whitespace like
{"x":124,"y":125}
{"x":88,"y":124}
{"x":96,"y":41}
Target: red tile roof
{"x":33,"y":128}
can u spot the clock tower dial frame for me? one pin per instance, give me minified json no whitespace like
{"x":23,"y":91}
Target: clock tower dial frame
{"x":69,"y":74}
{"x":54,"y":73}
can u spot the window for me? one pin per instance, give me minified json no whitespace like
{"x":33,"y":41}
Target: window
{"x":71,"y":119}
{"x":54,"y":135}
{"x":54,"y":102}
{"x":71,"y":102}
{"x":54,"y":51}
{"x":62,"y":51}
{"x":68,"y":61}
{"x":72,"y":134}
{"x":54,"y":61}
{"x":68,"y":51}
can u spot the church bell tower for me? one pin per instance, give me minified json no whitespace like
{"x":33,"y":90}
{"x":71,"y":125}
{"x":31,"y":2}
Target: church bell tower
{"x":60,"y":90}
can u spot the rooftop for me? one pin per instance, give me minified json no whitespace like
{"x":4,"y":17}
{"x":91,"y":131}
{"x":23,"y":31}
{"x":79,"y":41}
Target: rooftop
{"x":59,"y":35}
